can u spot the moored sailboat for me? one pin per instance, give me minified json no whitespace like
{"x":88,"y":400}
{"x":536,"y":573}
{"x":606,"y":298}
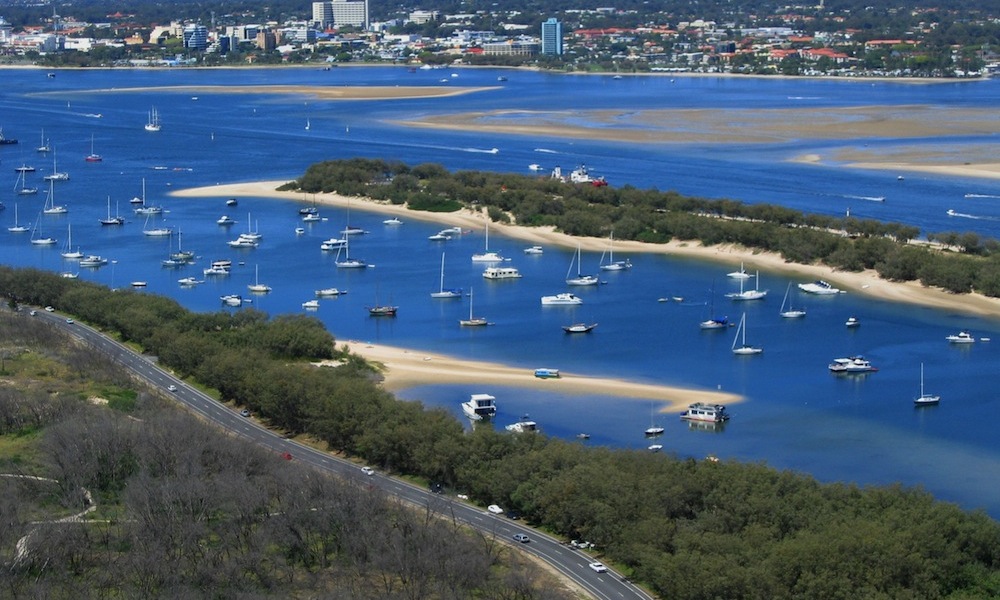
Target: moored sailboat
{"x":743,"y":348}
{"x":442,"y":291}
{"x":472,"y":321}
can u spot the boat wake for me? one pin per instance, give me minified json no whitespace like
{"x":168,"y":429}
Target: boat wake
{"x":982,"y":196}
{"x":868,"y":198}
{"x":546,"y":150}
{"x":481,"y":151}
{"x":952,"y":213}
{"x":803,"y":97}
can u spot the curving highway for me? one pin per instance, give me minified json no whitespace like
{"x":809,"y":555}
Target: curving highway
{"x":570,"y":562}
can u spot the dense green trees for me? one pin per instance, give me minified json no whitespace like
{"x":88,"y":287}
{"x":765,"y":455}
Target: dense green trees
{"x":687,"y":528}
{"x":960,"y":263}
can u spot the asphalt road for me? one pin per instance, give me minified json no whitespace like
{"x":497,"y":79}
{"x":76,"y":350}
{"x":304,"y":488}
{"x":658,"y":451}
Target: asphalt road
{"x":570,"y":562}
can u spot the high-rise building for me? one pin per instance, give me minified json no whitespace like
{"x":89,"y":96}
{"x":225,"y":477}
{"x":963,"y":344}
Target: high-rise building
{"x":340,"y":13}
{"x":195,"y":37}
{"x":350,"y":13}
{"x":552,"y":37}
{"x":322,"y":14}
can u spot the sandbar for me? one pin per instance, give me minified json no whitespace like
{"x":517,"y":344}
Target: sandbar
{"x":338,"y":92}
{"x":867,"y":283}
{"x":403,"y":368}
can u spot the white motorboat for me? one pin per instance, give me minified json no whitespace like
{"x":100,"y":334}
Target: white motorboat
{"x":852,"y":322}
{"x":329,"y":292}
{"x":702,"y":411}
{"x":533,"y":250}
{"x":754,"y":294}
{"x":744,"y":349}
{"x":311,"y":218}
{"x":349,"y":230}
{"x":525,"y":425}
{"x":333,"y":244}
{"x":392,"y":221}
{"x":565,"y":298}
{"x":612,"y":264}
{"x":480,"y":407}
{"x":442,"y":291}
{"x":225,"y":220}
{"x":439,"y":237}
{"x":580,"y":279}
{"x":741,"y":274}
{"x":243,"y":242}
{"x":232,"y":300}
{"x":579,"y":327}
{"x":925,"y":399}
{"x":820,"y":288}
{"x":853,"y":364}
{"x":501,"y":273}
{"x":93,"y":260}
{"x":962,"y":337}
{"x":215,"y":271}
{"x":188,"y":281}
{"x":791,"y":313}
{"x":310,"y":304}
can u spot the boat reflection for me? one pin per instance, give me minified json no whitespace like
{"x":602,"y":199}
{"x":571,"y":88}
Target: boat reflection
{"x":709,"y":426}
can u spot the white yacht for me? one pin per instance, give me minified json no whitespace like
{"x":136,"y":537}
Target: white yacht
{"x":962,"y":337}
{"x":701,"y":411}
{"x":188,"y":281}
{"x":257,"y":287}
{"x":741,"y":274}
{"x":480,"y":407}
{"x":310,"y":304}
{"x":525,"y":425}
{"x":216,"y":271}
{"x":853,"y":364}
{"x":392,"y":221}
{"x":501,"y":273}
{"x":154,"y":121}
{"x":243,"y":242}
{"x":329,"y":292}
{"x":533,"y":250}
{"x":333,"y":244}
{"x":564,"y":298}
{"x":612,"y":264}
{"x":93,"y":260}
{"x":486,"y":255}
{"x":820,"y":288}
{"x":225,"y":220}
{"x":232,"y":300}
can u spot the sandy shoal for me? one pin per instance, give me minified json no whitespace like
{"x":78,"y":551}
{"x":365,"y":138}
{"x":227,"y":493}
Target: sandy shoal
{"x":405,"y":368}
{"x":726,"y":126}
{"x":867,"y":282}
{"x":344,"y":92}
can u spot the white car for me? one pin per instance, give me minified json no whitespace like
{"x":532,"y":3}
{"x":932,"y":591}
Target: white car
{"x":172,"y":388}
{"x":49,"y":309}
{"x":368,"y":470}
{"x":599,"y":567}
{"x":493,"y":508}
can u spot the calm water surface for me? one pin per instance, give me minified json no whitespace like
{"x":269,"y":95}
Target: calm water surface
{"x":797,"y":415}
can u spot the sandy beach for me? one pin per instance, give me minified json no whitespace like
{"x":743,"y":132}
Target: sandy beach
{"x":405,"y":368}
{"x":867,"y":283}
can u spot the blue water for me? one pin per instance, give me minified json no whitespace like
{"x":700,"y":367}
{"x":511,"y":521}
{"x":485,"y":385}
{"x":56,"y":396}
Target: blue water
{"x":797,"y":415}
